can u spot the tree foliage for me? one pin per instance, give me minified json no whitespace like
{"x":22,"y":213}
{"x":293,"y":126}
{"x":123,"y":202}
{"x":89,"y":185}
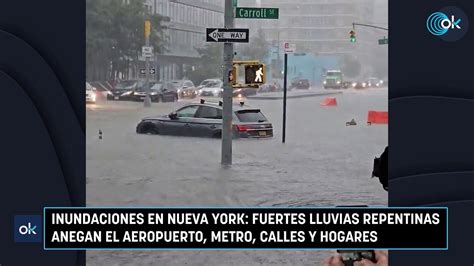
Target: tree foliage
{"x":209,"y":64}
{"x":115,"y":35}
{"x":257,"y":49}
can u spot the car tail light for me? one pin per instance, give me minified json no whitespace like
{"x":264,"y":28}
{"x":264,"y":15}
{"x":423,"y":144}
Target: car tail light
{"x":242,"y":128}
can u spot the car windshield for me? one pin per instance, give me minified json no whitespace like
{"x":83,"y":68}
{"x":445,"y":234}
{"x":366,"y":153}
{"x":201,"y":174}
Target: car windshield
{"x":177,"y":83}
{"x":88,"y":86}
{"x":142,"y":86}
{"x":157,"y":87}
{"x":334,"y":74}
{"x":125,"y":84}
{"x":213,"y":84}
{"x":250,"y":116}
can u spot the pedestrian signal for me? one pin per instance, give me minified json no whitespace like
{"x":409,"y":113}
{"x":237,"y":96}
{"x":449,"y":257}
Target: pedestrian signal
{"x":255,"y":74}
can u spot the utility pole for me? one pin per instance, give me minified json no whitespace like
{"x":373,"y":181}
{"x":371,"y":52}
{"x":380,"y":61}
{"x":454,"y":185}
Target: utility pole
{"x":226,"y":154}
{"x":147,"y":101}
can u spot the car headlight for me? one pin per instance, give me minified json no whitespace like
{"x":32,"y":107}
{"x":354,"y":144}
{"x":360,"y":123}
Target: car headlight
{"x":127,"y":93}
{"x":200,"y":91}
{"x":338,"y":82}
{"x":324,"y":82}
{"x":364,"y":84}
{"x":354,"y":84}
{"x":109,"y":93}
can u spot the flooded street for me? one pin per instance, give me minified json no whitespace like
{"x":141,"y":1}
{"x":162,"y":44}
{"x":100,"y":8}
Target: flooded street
{"x":323,"y":163}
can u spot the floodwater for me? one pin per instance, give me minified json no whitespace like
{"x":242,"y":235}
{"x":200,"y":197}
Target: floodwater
{"x":323,"y":163}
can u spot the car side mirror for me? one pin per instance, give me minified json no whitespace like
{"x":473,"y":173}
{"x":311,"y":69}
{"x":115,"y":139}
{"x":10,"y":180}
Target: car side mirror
{"x":173,"y":116}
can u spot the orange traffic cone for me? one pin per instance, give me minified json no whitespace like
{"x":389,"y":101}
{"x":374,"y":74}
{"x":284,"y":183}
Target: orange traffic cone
{"x":377,"y":117}
{"x":329,"y":101}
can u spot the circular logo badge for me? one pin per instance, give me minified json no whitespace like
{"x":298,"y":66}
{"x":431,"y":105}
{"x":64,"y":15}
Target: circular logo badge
{"x":449,"y":23}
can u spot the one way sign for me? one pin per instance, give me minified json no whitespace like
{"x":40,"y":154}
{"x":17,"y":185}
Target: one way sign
{"x":227,"y":35}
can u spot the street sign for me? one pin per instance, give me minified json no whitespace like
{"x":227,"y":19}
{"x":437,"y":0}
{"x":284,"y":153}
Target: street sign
{"x":255,"y":74}
{"x":227,"y":35}
{"x":289,"y":48}
{"x":143,"y":71}
{"x":383,"y":41}
{"x":255,"y":12}
{"x":147,"y":51}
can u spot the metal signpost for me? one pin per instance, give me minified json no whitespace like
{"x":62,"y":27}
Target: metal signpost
{"x":289,"y":48}
{"x":227,"y":35}
{"x":147,"y":52}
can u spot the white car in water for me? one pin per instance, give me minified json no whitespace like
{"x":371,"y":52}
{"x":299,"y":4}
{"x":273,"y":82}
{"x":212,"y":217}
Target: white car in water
{"x":212,"y":88}
{"x":91,"y":95}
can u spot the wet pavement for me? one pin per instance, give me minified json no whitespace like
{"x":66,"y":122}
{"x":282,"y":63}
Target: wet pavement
{"x":323,"y":163}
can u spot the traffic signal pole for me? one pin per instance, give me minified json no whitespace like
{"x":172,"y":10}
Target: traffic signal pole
{"x":147,"y":101}
{"x":226,"y":153}
{"x":283,"y":135}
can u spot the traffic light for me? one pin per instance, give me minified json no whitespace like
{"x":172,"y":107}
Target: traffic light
{"x":353,"y":36}
{"x":255,"y":74}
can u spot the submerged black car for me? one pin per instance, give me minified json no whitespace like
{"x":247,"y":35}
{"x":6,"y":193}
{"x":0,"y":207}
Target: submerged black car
{"x":205,"y":120}
{"x":302,"y":84}
{"x":158,"y":92}
{"x":124,"y":90}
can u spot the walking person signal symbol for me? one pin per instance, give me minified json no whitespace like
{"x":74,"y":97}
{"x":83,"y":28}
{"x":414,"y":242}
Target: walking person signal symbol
{"x":259,"y":75}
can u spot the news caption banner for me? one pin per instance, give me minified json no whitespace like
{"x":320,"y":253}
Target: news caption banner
{"x":86,"y":228}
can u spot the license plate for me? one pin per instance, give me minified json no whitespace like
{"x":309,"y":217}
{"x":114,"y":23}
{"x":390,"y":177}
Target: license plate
{"x":262,"y":133}
{"x":142,"y":98}
{"x":116,"y":98}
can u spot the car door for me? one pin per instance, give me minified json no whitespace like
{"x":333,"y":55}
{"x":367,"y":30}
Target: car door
{"x":179,"y":125}
{"x":168,"y":92}
{"x":208,"y":121}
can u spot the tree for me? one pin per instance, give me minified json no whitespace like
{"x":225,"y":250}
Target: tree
{"x":258,"y":48}
{"x":115,"y":35}
{"x":209,"y":65}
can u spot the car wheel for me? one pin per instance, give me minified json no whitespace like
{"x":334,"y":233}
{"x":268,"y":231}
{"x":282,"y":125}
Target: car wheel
{"x":149,"y":129}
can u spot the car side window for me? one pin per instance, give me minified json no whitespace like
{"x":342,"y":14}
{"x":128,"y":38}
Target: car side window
{"x":188,"y":111}
{"x":209,"y":113}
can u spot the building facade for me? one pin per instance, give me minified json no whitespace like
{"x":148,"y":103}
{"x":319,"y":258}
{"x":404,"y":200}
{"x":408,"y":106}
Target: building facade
{"x":186,"y":32}
{"x":321,"y":27}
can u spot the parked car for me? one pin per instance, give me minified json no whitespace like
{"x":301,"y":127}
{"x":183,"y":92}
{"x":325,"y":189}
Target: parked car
{"x":270,"y":87}
{"x":374,"y":83}
{"x":185,"y":88}
{"x":300,"y":84}
{"x":244,"y":92}
{"x":205,"y":120}
{"x":212,"y":88}
{"x":90,"y":93}
{"x":359,"y":85}
{"x":141,"y":92}
{"x":124,"y":90}
{"x":206,"y":81}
